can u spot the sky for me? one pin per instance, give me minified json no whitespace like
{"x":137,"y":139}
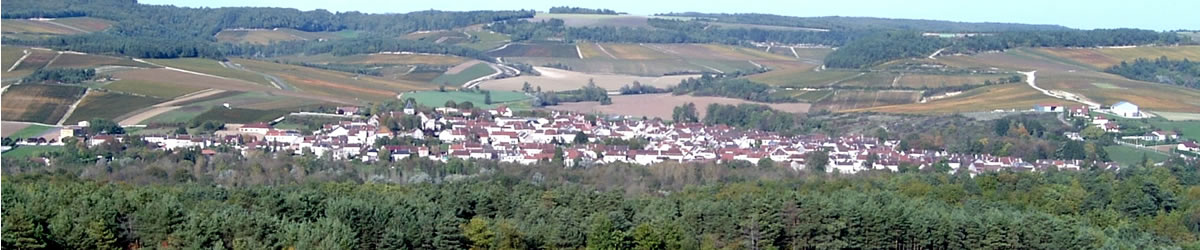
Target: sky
{"x":1146,"y":14}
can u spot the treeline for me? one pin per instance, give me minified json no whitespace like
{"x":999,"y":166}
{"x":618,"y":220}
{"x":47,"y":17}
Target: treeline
{"x":60,"y":75}
{"x":1161,"y":70}
{"x":588,"y":93}
{"x":636,"y":88}
{"x":666,"y":31}
{"x":342,"y":47}
{"x":749,"y":116}
{"x":1067,"y":38}
{"x":864,"y":23}
{"x":879,"y":48}
{"x":578,"y":10}
{"x":728,"y":86}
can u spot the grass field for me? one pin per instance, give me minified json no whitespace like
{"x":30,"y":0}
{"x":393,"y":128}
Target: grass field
{"x":334,"y":83}
{"x":245,"y":100}
{"x":1007,"y":96}
{"x":72,"y":60}
{"x":268,"y":36}
{"x":475,"y":71}
{"x":212,"y":67}
{"x":537,"y":50}
{"x":239,"y":115}
{"x":438,"y":99}
{"x":109,"y":105}
{"x":38,"y":103}
{"x":486,"y":40}
{"x":377,"y":59}
{"x":152,"y":88}
{"x":1102,"y":58}
{"x":1127,"y":156}
{"x":28,"y":151}
{"x":30,"y":131}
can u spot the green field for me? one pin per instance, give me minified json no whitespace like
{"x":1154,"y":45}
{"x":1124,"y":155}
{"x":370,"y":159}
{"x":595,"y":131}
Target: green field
{"x":486,"y":40}
{"x":475,"y":71}
{"x":109,"y":105}
{"x":155,"y":89}
{"x":31,"y":131}
{"x":213,"y":68}
{"x":1126,"y":155}
{"x":1188,"y":129}
{"x":189,"y":110}
{"x":239,"y":115}
{"x":28,"y":151}
{"x":438,"y":99}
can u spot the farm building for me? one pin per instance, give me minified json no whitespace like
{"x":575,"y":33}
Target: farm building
{"x":1079,"y":111}
{"x":1127,"y":110}
{"x":1048,"y":108}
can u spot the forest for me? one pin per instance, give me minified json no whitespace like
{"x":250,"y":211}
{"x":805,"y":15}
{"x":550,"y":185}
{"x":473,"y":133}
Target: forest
{"x":748,"y":116}
{"x":728,"y":86}
{"x":60,"y":75}
{"x":863,"y":23}
{"x":578,"y":10}
{"x":1161,"y":70}
{"x":879,"y":48}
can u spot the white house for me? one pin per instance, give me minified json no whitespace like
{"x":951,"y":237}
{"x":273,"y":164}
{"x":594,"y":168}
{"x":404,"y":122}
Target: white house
{"x":1163,"y":135}
{"x":1127,"y":110}
{"x":1189,"y":146}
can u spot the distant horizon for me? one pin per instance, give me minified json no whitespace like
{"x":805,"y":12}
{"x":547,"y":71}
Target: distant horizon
{"x":1158,"y":15}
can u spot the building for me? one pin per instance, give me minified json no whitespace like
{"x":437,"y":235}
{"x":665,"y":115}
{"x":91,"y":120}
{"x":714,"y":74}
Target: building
{"x":255,"y":128}
{"x":70,"y":131}
{"x":1048,"y":108}
{"x":1127,"y":110}
{"x":1079,"y":111}
{"x":1189,"y":146}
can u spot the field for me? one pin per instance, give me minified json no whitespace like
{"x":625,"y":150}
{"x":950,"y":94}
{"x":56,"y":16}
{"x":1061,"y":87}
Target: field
{"x":438,"y":99}
{"x":27,"y":151}
{"x":803,"y":78}
{"x":187,"y":110}
{"x":401,"y":59}
{"x":536,"y":50}
{"x":1007,"y":96}
{"x":662,"y":105}
{"x":73,"y":60}
{"x":657,"y":67}
{"x":109,"y":106}
{"x":1177,"y":116}
{"x":591,"y":20}
{"x":933,"y":81}
{"x":759,"y":26}
{"x":1102,"y":58}
{"x":36,"y":60}
{"x":239,"y":115}
{"x":39,"y":103}
{"x":854,"y":99}
{"x":559,"y":80}
{"x":487,"y":40}
{"x":334,"y":84}
{"x":265,"y":36}
{"x":59,"y":26}
{"x":455,"y":77}
{"x":10,"y":56}
{"x":152,"y":88}
{"x":1188,"y":129}
{"x":24,"y":130}
{"x":212,"y":67}
{"x":1126,"y":155}
{"x":1149,"y":96}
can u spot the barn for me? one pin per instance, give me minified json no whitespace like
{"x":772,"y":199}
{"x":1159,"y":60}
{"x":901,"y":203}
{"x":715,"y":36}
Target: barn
{"x":1127,"y":110}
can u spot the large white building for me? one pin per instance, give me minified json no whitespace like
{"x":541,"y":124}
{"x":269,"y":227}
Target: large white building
{"x":1127,"y":110}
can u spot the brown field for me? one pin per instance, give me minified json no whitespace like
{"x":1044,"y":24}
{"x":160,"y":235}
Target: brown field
{"x":1100,"y":88}
{"x":662,"y":105}
{"x":335,"y":84}
{"x":38,"y":102}
{"x":855,"y":99}
{"x":10,"y":54}
{"x":86,"y":23}
{"x":72,"y":60}
{"x":932,"y":81}
{"x":1007,"y":96}
{"x":189,"y":80}
{"x":559,"y":80}
{"x":591,"y":50}
{"x":1101,"y":58}
{"x":36,"y":27}
{"x":9,"y":128}
{"x":628,"y":51}
{"x":268,"y":36}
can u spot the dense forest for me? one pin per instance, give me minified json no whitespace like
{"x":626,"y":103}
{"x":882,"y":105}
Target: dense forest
{"x":666,"y":31}
{"x":864,"y":23}
{"x":1068,"y":38}
{"x":728,"y":86}
{"x":879,"y":48}
{"x":578,"y":10}
{"x":1161,"y":70}
{"x":749,"y":116}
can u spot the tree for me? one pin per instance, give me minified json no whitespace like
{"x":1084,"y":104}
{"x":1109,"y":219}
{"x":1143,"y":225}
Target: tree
{"x":451,"y":104}
{"x":1092,"y":132}
{"x":766,"y":162}
{"x":466,"y":105}
{"x":487,"y":97}
{"x":816,"y":160}
{"x":526,"y":88}
{"x":604,"y":234}
{"x":19,"y":232}
{"x":685,"y":113}
{"x":478,"y":231}
{"x":580,"y":138}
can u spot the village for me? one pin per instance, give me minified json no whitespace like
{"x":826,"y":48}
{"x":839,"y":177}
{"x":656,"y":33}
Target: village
{"x":577,"y":141}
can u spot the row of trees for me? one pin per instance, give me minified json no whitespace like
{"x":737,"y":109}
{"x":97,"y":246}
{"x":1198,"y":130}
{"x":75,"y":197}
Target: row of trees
{"x":60,"y":75}
{"x":579,"y":10}
{"x":587,"y":93}
{"x":1161,"y":70}
{"x":879,"y":48}
{"x":749,"y":116}
{"x":864,"y":23}
{"x":728,"y":86}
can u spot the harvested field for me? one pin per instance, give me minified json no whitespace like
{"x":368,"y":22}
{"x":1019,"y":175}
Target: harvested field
{"x":593,"y":51}
{"x":89,"y":24}
{"x":1101,"y":58}
{"x":23,"y":130}
{"x":1007,"y":96}
{"x":662,"y":105}
{"x":855,"y":99}
{"x":39,"y":102}
{"x":73,"y":60}
{"x":559,"y":80}
{"x":212,"y":67}
{"x":335,"y":84}
{"x":1148,"y":96}
{"x":109,"y":106}
{"x":537,"y":50}
{"x":152,"y":88}
{"x":933,"y":81}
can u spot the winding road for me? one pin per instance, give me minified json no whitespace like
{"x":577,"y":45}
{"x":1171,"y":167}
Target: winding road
{"x":1031,"y":79}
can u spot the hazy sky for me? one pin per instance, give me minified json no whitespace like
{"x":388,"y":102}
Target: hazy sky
{"x":1145,"y":14}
